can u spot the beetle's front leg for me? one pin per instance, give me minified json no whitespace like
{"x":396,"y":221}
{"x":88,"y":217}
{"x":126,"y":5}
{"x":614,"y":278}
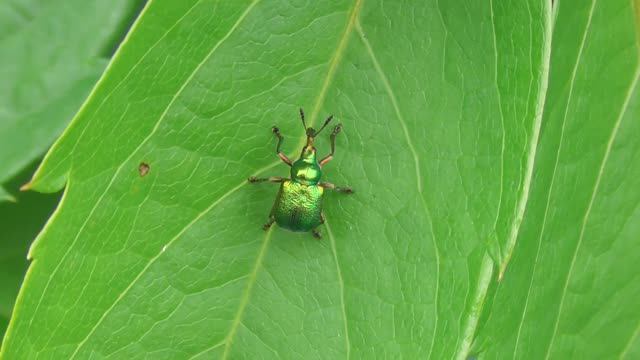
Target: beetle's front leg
{"x":273,"y":179}
{"x":330,"y":186}
{"x":316,"y":231}
{"x":334,"y":133}
{"x":281,"y":155}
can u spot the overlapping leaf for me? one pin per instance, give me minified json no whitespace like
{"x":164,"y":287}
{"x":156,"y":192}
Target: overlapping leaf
{"x":20,"y":222}
{"x":572,"y":289}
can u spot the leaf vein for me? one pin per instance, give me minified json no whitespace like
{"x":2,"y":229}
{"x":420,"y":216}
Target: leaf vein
{"x":341,"y":283}
{"x":319,"y":101}
{"x":246,"y":295}
{"x":629,"y":344}
{"x":504,"y":134}
{"x":533,"y":145}
{"x":206,"y":350}
{"x":155,"y":258}
{"x":416,"y":161}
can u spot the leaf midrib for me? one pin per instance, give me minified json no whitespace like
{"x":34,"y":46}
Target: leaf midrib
{"x":335,"y":61}
{"x":416,"y":161}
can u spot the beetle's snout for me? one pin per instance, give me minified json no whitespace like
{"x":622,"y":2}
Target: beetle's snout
{"x":309,"y":141}
{"x":309,"y":150}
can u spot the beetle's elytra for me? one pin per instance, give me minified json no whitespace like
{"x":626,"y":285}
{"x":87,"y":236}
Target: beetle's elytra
{"x":298,"y":205}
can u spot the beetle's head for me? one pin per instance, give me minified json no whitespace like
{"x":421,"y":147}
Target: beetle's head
{"x":311,"y":133}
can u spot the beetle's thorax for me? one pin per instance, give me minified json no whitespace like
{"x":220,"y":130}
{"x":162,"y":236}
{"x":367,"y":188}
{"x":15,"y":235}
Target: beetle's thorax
{"x":306,"y":170}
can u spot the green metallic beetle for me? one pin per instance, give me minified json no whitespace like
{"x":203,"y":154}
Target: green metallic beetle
{"x":298,"y":205}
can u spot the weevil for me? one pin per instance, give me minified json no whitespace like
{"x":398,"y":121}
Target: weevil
{"x":298,"y":205}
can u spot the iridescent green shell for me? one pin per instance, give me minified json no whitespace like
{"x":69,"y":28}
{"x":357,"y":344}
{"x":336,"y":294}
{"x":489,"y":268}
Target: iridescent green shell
{"x":298,"y":206}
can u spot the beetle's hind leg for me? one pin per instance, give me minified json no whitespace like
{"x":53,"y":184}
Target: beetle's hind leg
{"x":266,"y":226}
{"x":273,"y":179}
{"x":280,"y":154}
{"x":316,"y":231}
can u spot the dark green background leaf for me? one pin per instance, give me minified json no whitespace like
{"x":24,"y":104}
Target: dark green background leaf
{"x":20,"y":222}
{"x":52,"y":53}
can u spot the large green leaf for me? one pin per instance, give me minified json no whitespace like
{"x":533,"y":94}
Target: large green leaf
{"x":437,"y":146}
{"x":51,"y":55}
{"x":573,"y":288}
{"x":442,"y":106}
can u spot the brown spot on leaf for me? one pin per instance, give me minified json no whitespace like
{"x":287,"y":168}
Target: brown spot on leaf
{"x":143,"y":169}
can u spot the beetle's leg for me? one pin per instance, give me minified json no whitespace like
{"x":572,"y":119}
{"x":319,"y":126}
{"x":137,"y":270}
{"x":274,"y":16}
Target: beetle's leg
{"x":266,"y":226}
{"x":330,"y":186}
{"x":315,"y":232}
{"x":304,"y":124}
{"x":334,"y":133}
{"x":273,"y":179}
{"x":282,"y":156}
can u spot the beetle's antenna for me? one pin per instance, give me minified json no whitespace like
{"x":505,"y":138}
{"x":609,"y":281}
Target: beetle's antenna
{"x":326,"y":122}
{"x":302,"y":117}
